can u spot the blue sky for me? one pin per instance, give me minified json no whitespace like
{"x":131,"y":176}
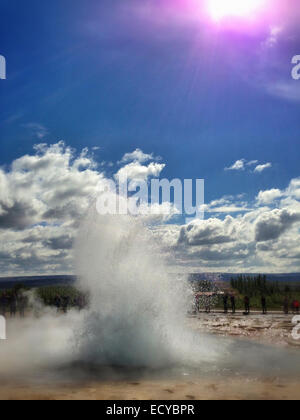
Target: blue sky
{"x":158,"y":76}
{"x":94,"y":82}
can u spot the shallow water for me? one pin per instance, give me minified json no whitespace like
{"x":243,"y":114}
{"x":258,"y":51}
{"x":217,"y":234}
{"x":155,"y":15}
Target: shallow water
{"x":240,"y":359}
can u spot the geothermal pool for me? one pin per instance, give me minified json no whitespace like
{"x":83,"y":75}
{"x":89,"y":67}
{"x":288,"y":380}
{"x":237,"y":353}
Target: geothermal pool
{"x":133,"y":341}
{"x":242,"y":369}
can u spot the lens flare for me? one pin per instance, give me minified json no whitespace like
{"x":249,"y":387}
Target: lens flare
{"x":223,"y":9}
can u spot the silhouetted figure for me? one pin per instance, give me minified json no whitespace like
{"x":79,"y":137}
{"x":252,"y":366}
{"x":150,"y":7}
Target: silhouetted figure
{"x":13,"y":306}
{"x":233,"y":305}
{"x":5,"y":303}
{"x":225,"y":301}
{"x":57,"y":303}
{"x":247,"y":305}
{"x":296,"y":306}
{"x":2,"y":305}
{"x":207,"y":304}
{"x":286,"y":306}
{"x":198,"y":304}
{"x":264,"y":305}
{"x":22,"y":305}
{"x":65,"y":303}
{"x":81,"y":302}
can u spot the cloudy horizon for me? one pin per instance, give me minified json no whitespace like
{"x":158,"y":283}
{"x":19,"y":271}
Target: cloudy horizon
{"x":45,"y":195}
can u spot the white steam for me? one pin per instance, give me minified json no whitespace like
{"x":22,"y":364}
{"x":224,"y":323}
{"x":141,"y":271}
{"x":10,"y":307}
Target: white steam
{"x":136,"y":315}
{"x":136,"y":310}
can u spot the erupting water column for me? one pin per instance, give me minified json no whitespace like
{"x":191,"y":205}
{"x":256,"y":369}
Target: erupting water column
{"x":137,"y":311}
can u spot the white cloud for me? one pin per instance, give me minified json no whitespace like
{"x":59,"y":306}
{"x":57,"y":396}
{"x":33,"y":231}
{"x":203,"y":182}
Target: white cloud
{"x":137,"y":156}
{"x":44,"y":195}
{"x":261,"y":239}
{"x":242,"y":164}
{"x":260,"y":168}
{"x":271,"y":225}
{"x":207,"y":232}
{"x":239,"y":165}
{"x":252,"y":162}
{"x":136,"y":171}
{"x":227,"y":205}
{"x":269,"y":196}
{"x":294,"y":189}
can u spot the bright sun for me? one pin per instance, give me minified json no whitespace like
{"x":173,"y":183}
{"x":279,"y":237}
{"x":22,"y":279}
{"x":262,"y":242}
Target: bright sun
{"x":221,"y":9}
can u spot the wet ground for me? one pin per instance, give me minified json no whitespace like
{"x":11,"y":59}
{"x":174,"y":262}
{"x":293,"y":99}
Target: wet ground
{"x":273,"y":328}
{"x":251,"y":358}
{"x":181,"y":389}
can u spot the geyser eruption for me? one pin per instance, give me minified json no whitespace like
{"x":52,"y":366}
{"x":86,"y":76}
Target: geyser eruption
{"x":136,"y":318}
{"x":137,"y":310}
{"x":136,"y":315}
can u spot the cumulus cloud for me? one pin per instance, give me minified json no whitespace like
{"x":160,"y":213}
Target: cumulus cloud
{"x":294,"y":189}
{"x":289,"y":197}
{"x":137,"y":156}
{"x":206,"y":232}
{"x":271,"y":225}
{"x":136,"y":171}
{"x":44,"y":195}
{"x":264,"y":238}
{"x":269,"y":196}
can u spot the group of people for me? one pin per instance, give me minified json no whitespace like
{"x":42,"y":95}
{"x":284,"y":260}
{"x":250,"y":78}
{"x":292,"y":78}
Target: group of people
{"x":13,"y":303}
{"x":295,"y":307}
{"x":63,"y":303}
{"x":16,"y":302}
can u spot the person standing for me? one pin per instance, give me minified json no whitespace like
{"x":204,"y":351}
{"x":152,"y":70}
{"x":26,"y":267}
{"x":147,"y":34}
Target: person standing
{"x":233,"y":304}
{"x":22,"y":304}
{"x":264,"y":305}
{"x":207,"y":304}
{"x":247,"y":305}
{"x":2,"y":305}
{"x":57,"y":302}
{"x":13,"y":305}
{"x":286,"y":306}
{"x":296,"y":306}
{"x":225,"y":301}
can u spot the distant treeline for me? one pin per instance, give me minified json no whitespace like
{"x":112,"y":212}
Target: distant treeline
{"x":258,"y":286}
{"x":61,"y":297}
